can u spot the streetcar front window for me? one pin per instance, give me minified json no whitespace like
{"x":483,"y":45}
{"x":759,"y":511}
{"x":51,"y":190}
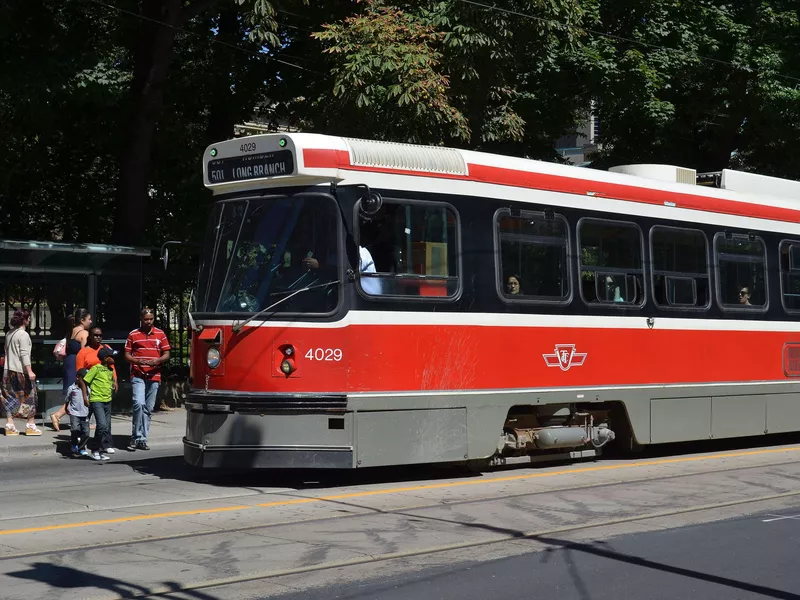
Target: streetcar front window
{"x":277,"y":253}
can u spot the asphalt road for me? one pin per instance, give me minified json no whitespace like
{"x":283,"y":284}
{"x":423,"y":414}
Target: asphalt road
{"x":144,"y":526}
{"x":751,"y":557}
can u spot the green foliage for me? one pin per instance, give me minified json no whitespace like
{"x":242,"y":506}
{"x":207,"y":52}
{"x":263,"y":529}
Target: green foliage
{"x":451,"y":72}
{"x":705,"y":84}
{"x":387,"y":66}
{"x":702,"y":83}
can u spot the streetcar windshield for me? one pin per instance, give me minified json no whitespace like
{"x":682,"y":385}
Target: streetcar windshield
{"x":262,"y":252}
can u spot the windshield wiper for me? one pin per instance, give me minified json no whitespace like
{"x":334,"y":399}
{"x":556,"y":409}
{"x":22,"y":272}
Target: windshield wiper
{"x":237,"y":327}
{"x":189,"y":312}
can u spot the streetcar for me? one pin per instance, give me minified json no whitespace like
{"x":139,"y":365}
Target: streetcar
{"x":363,"y":303}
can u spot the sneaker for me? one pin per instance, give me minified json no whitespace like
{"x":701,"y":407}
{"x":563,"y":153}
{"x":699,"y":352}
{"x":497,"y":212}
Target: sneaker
{"x":142,"y":446}
{"x":132,"y":446}
{"x":84,"y":452}
{"x":98,"y":456}
{"x":110,"y":450}
{"x":75,"y":450}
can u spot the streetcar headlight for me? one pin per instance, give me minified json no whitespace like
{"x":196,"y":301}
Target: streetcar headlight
{"x":286,"y":367}
{"x":213,"y":358}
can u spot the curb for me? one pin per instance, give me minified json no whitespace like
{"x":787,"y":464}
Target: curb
{"x":38,"y":449}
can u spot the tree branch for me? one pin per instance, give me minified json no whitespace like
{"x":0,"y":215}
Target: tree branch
{"x":193,"y":10}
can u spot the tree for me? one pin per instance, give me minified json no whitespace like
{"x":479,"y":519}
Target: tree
{"x":701,"y":84}
{"x":58,"y":107}
{"x":154,"y":46}
{"x":450,"y":72}
{"x":387,"y":78}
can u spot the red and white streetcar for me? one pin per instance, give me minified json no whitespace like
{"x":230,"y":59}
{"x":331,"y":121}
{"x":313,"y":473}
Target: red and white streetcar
{"x":363,"y":303}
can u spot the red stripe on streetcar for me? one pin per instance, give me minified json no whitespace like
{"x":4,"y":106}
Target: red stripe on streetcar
{"x":317,"y":158}
{"x":398,"y":357}
{"x":583,"y":187}
{"x":340,"y":159}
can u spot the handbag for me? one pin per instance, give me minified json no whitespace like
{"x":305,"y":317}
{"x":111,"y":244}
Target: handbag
{"x":60,"y":351}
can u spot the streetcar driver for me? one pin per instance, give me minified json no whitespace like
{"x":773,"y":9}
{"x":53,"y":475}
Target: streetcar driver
{"x":371,"y":285}
{"x":366,"y":264}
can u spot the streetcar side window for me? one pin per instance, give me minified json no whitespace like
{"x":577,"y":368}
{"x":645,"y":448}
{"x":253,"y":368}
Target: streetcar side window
{"x":409,"y":248}
{"x":534,"y":263}
{"x":611,"y":263}
{"x":680,"y":268}
{"x":790,"y":275}
{"x":741,"y":271}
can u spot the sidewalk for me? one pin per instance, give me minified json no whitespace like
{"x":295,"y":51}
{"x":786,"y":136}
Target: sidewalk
{"x":167,"y":429}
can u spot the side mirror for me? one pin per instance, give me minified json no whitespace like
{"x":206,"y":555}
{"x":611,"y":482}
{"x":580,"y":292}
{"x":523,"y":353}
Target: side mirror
{"x":165,"y":251}
{"x":372,"y":203}
{"x":369,"y":202}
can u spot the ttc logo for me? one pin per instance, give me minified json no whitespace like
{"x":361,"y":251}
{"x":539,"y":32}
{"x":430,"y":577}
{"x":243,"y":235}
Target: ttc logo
{"x":564,"y":357}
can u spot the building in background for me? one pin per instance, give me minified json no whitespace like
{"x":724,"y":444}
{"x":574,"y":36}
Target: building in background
{"x":577,"y":147}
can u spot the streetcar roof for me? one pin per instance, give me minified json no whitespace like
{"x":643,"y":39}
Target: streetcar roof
{"x":271,"y":160}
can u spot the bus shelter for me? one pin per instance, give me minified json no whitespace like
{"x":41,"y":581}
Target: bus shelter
{"x":52,"y":280}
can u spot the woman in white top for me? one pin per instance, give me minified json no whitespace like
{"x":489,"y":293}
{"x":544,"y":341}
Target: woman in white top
{"x":19,"y":380}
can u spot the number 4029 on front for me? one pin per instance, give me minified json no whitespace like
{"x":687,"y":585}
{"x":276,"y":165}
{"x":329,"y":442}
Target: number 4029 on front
{"x":324,"y":354}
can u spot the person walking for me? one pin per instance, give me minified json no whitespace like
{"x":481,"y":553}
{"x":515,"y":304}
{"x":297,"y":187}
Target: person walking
{"x":100,"y":380}
{"x":147,"y":348}
{"x":88,"y":356}
{"x":19,"y":381}
{"x":78,"y":327}
{"x":78,"y":409}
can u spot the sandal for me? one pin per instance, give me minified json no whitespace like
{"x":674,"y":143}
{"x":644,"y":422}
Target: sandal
{"x":32,"y":430}
{"x":54,"y":421}
{"x":11,"y":429}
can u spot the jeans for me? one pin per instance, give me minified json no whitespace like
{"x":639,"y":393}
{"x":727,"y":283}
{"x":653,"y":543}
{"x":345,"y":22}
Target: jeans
{"x":144,"y":400}
{"x":79,"y":430}
{"x":102,"y":433}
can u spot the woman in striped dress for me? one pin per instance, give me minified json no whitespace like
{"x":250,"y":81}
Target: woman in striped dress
{"x":19,"y":380}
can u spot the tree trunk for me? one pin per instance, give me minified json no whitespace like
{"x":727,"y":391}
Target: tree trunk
{"x":151,"y":61}
{"x":222,"y":112}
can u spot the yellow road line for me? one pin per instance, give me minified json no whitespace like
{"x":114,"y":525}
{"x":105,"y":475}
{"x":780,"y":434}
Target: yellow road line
{"x":397,"y":490}
{"x":175,"y":590}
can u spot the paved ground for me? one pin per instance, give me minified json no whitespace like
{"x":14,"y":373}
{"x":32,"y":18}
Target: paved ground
{"x":167,"y":428}
{"x":143,"y":525}
{"x":748,"y":557}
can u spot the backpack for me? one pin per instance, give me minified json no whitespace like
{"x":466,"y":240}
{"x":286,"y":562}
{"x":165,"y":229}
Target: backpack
{"x":60,"y":351}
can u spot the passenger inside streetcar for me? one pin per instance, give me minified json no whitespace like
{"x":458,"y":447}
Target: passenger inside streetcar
{"x":613,"y":293}
{"x":513,"y":286}
{"x":744,"y":296}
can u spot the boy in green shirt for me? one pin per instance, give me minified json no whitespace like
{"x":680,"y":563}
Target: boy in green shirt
{"x":100,"y":380}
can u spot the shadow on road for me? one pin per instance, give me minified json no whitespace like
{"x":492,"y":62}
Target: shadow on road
{"x":174,"y":467}
{"x":58,"y":576}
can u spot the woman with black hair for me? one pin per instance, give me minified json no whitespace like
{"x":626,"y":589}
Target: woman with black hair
{"x":78,"y":326}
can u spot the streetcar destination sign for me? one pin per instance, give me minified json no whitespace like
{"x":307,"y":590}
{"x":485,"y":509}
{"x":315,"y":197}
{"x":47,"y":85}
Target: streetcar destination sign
{"x":251,"y":166}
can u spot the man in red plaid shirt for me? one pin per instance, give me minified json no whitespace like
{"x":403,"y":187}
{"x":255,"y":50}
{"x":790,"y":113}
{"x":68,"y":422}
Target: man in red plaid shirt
{"x":147,"y":349}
